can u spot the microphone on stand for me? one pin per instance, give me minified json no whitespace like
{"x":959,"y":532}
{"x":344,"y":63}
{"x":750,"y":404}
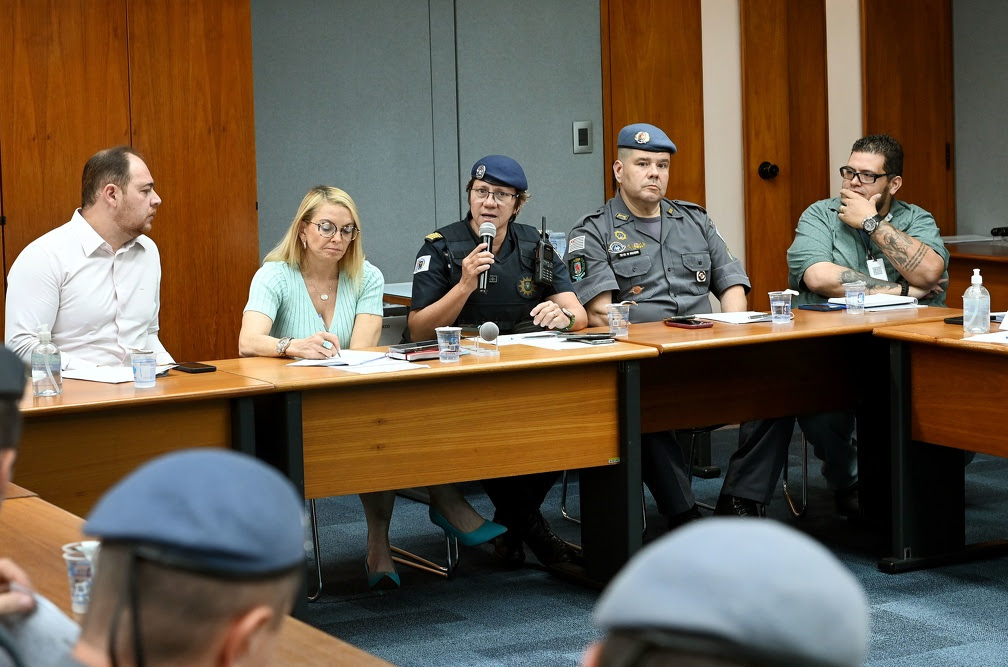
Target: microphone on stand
{"x":488,"y":331}
{"x":487,"y":232}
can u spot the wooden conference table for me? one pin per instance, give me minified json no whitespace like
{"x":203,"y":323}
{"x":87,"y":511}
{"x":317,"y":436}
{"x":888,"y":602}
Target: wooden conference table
{"x":737,"y":372}
{"x":529,"y":410}
{"x":950,"y":396}
{"x":76,"y":445}
{"x":32,"y":532}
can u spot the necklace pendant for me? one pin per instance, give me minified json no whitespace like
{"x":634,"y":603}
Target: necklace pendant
{"x":324,"y":297}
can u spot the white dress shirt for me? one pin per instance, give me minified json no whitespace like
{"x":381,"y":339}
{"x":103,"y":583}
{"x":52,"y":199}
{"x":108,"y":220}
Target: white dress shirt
{"x":99,"y":304}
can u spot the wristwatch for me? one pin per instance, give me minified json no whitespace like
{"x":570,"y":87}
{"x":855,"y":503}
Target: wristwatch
{"x":871,"y":224}
{"x":282,"y":345}
{"x":569,"y":314}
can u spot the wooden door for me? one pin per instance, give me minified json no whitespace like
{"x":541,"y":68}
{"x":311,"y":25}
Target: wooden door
{"x":192,"y":112}
{"x":652,"y":72}
{"x":785,"y":129}
{"x":908,"y":93}
{"x":64,"y":95}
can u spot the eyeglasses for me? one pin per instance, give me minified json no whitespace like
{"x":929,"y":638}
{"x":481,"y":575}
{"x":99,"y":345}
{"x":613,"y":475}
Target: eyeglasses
{"x":499,"y":197}
{"x":327,"y":230}
{"x":866,"y":177}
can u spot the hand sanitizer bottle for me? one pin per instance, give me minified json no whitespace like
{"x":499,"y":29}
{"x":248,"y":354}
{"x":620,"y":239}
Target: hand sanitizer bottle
{"x":46,"y":363}
{"x":976,"y":307}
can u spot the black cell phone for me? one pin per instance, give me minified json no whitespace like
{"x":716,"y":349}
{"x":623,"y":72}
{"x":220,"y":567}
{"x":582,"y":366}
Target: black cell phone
{"x":959,"y":320}
{"x":195,"y":367}
{"x":544,"y":259}
{"x":687,"y":323}
{"x":583,"y":337}
{"x":822,"y":306}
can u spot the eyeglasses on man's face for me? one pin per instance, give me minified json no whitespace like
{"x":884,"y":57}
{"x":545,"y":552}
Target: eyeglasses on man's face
{"x":499,"y":197}
{"x":866,"y":177}
{"x":327,"y":230}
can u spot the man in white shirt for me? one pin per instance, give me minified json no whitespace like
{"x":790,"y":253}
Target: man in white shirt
{"x":94,"y":282}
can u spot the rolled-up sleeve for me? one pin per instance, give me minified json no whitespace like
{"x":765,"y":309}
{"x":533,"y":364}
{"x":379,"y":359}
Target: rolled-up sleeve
{"x":587,"y":245}
{"x":813,"y":243}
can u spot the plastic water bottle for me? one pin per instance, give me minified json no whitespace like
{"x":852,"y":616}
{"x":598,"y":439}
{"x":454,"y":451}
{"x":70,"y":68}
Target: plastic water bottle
{"x":46,"y":363}
{"x":976,"y":307}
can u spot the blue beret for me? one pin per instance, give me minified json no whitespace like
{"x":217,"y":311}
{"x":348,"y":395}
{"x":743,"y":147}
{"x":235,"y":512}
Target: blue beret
{"x":645,"y":137}
{"x":500,"y":170}
{"x":12,"y":375}
{"x":755,"y":585}
{"x":208,"y":510}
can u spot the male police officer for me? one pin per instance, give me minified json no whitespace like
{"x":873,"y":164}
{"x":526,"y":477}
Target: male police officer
{"x":665,"y":255}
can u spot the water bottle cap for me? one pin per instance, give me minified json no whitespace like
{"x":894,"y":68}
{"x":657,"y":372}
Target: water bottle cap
{"x":44,"y":335}
{"x":976,"y":279}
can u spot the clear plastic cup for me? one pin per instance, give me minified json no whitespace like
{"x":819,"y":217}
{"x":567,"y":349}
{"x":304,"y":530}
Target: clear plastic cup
{"x":619,"y":319}
{"x":144,"y":368}
{"x":79,"y":573}
{"x":854,"y":295}
{"x":449,"y":341}
{"x":780,"y":307}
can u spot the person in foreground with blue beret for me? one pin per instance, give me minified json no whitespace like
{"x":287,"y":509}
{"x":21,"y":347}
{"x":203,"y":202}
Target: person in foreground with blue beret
{"x":445,"y":293}
{"x":201,"y":557}
{"x":666,"y":256}
{"x":728,"y":592}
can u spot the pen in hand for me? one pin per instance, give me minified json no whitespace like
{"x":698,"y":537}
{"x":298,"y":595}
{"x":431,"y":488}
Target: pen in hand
{"x":326,"y":344}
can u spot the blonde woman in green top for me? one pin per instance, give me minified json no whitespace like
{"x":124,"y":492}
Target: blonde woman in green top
{"x":316,"y":294}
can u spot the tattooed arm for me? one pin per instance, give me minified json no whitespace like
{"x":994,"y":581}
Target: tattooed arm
{"x":916,"y":261}
{"x":827,"y":279}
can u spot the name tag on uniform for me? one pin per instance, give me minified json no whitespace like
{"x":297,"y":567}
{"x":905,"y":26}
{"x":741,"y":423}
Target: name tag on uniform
{"x":876,"y":269}
{"x":628,"y":253}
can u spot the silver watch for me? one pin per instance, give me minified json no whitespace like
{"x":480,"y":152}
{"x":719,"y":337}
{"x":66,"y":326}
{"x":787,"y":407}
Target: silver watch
{"x":282,"y":345}
{"x":871,"y":224}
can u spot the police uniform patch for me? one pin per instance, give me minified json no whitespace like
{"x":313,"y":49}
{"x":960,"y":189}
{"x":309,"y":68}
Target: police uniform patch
{"x":701,"y":276}
{"x":480,"y":171}
{"x":620,"y":234}
{"x":526,"y":287}
{"x":422,"y":263}
{"x":628,"y":253}
{"x":622,"y":216}
{"x":433,"y":236}
{"x":616,"y":247}
{"x":642,"y":137}
{"x":577,"y":268}
{"x":575,"y":244}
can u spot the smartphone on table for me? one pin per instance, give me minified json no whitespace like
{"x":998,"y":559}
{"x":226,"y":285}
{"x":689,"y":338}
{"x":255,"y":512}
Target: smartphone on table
{"x":194,"y":367}
{"x":687,"y":322}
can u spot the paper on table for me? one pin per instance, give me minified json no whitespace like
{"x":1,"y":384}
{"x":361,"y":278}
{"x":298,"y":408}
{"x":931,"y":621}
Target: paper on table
{"x":881,"y":301}
{"x":992,"y":337}
{"x":385,"y":365}
{"x":541,"y":339}
{"x":743,"y":317}
{"x":345,"y":358}
{"x":108,"y":374}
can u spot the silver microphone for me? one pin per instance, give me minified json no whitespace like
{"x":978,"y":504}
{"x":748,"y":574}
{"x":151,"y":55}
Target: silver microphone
{"x":488,"y":331}
{"x":487,"y":232}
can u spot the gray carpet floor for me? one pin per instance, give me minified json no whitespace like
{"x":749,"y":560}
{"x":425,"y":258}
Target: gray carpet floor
{"x":485,"y":615}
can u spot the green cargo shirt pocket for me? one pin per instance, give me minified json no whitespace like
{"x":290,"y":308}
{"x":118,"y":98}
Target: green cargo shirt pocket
{"x":696,"y":276}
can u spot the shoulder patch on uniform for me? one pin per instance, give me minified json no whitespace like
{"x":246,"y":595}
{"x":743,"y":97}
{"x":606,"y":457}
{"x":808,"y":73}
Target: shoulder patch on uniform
{"x":434,"y":236}
{"x":575,"y":244}
{"x":576,"y":266}
{"x":422,"y":263}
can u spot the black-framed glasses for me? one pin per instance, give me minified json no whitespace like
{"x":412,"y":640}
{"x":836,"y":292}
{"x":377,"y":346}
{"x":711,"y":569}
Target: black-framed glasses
{"x":499,"y":197}
{"x":866,"y":177}
{"x":327,"y":230}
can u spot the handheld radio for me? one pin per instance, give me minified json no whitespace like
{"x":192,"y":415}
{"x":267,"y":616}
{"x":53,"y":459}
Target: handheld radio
{"x":544,"y":259}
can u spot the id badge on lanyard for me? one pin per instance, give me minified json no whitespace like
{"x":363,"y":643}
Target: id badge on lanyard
{"x":876,"y":268}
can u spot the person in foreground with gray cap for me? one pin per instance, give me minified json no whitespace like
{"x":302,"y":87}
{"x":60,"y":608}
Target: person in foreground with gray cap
{"x":664,"y":255}
{"x":446,"y":292}
{"x":201,"y":558}
{"x":730,"y":592}
{"x":33,"y":631}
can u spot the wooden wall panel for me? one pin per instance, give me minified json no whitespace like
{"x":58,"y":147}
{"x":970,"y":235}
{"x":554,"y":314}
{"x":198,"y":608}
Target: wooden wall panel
{"x":784,"y":122}
{"x":193,"y":119}
{"x":64,"y":95}
{"x":908,"y":93}
{"x":652,"y":71}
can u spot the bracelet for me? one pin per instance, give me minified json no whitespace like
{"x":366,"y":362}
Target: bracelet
{"x":904,"y":287}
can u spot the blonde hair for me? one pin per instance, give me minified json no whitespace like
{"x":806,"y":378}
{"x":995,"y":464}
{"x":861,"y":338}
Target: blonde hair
{"x":290,"y":250}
